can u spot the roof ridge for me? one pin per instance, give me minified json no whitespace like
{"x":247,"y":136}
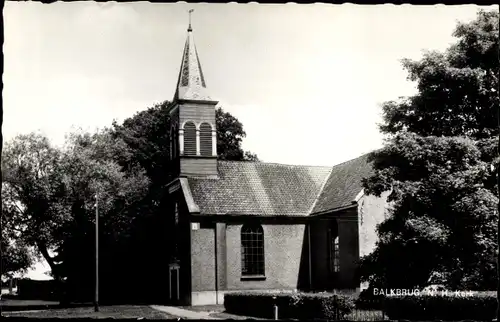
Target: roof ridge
{"x":320,"y":191}
{"x":359,"y":157}
{"x":276,"y":163}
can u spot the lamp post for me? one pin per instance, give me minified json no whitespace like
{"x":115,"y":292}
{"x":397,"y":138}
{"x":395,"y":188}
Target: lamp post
{"x":96,"y":296}
{"x":275,"y":308}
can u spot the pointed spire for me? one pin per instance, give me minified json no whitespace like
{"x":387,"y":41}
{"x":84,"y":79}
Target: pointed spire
{"x":191,"y":83}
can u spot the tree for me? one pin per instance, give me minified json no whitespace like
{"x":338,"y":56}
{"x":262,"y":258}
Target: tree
{"x":146,"y":135}
{"x":230,"y":135}
{"x":91,"y":171}
{"x":16,"y":257}
{"x":442,"y":215}
{"x":31,"y":188}
{"x":437,"y":162}
{"x":49,"y":195}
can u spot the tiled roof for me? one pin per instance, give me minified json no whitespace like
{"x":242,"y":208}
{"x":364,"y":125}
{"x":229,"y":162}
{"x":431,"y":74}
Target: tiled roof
{"x":343,"y":184}
{"x":257,"y":188}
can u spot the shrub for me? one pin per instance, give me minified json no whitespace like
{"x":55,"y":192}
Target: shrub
{"x":367,"y":300}
{"x":290,"y":305}
{"x":479,"y":307}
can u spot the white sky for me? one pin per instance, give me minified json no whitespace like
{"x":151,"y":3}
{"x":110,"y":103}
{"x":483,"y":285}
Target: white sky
{"x":306,"y":81}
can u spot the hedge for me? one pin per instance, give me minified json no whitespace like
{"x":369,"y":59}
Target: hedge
{"x":367,"y":300}
{"x":290,"y":305}
{"x":478,"y":307}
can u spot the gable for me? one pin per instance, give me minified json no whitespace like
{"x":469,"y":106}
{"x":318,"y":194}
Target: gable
{"x":343,"y":185}
{"x":181,"y":192}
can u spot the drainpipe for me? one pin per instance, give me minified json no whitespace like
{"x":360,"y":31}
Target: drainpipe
{"x":216,"y":268}
{"x":310,"y":260}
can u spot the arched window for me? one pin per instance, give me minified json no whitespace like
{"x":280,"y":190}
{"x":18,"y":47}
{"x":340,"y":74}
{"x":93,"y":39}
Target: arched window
{"x":206,"y":139}
{"x":333,"y":240}
{"x":189,"y":139}
{"x":252,"y":250}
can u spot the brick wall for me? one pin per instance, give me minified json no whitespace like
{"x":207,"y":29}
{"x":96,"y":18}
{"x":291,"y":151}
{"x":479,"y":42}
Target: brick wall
{"x":283,"y":255}
{"x":203,"y":260}
{"x":283,"y":247}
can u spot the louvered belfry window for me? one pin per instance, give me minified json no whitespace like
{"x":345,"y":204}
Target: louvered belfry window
{"x":189,"y":138}
{"x":252,"y":250}
{"x":205,"y":139}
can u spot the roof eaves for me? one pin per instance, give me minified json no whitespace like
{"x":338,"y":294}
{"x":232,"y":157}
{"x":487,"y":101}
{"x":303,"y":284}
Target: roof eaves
{"x":358,"y":196}
{"x":192,"y":206}
{"x":320,"y":191}
{"x":334,"y":210}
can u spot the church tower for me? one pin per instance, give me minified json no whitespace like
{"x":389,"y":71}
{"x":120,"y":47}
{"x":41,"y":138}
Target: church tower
{"x":193,"y":136}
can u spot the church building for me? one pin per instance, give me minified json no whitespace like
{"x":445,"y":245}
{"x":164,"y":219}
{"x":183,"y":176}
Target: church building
{"x":256,"y":226}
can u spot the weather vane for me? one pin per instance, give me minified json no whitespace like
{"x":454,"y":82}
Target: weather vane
{"x":190,"y":11}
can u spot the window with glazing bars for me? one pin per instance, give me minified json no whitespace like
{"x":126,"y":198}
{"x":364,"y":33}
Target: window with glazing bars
{"x":252,"y":250}
{"x":336,"y":255}
{"x":334,"y":250}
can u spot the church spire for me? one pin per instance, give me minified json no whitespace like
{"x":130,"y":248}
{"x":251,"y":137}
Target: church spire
{"x":191,"y":83}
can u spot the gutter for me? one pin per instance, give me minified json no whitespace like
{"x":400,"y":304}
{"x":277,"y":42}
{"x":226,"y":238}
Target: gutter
{"x":334,"y":210}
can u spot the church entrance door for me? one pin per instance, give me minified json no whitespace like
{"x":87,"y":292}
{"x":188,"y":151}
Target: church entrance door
{"x":174,"y":290}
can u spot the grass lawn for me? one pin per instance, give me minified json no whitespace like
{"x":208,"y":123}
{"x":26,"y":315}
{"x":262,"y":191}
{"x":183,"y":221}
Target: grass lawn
{"x":119,"y":311}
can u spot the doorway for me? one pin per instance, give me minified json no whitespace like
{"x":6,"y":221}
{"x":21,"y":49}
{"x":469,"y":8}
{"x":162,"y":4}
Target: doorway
{"x":174,"y":290}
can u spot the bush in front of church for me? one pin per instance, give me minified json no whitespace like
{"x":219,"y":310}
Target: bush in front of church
{"x":369,"y":300}
{"x":481,"y":306}
{"x":290,"y":305}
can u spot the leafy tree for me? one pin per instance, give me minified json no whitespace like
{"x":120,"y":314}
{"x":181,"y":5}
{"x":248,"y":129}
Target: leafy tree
{"x":16,"y":257}
{"x":457,"y":89}
{"x":437,"y":163}
{"x":31,"y":188}
{"x":146,"y":135}
{"x":230,"y":135}
{"x":49,"y":195}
